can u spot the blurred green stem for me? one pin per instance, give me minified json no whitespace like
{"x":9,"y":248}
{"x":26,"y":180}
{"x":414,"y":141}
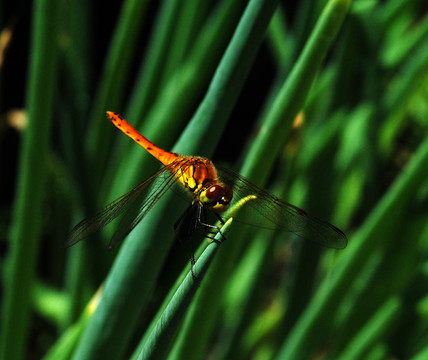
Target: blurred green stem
{"x":329,"y":296}
{"x":148,"y":84}
{"x":278,"y":121}
{"x":111,"y":86}
{"x":373,"y":331}
{"x":28,"y":212}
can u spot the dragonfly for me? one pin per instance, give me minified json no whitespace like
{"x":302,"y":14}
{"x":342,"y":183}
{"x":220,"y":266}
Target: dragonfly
{"x":213,"y":190}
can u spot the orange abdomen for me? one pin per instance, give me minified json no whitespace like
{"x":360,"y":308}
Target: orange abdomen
{"x":165,"y":157}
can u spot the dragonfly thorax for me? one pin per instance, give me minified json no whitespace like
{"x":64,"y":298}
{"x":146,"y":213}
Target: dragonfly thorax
{"x":216,"y":197}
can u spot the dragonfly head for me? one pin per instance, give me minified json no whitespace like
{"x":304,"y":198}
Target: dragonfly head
{"x":217,"y":197}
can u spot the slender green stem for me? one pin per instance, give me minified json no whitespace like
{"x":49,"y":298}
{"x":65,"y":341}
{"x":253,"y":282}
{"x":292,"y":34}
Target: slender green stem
{"x":194,"y":337}
{"x":329,"y":295}
{"x":111,"y":86}
{"x":178,"y":95}
{"x":292,"y":96}
{"x":148,"y":84}
{"x":372,"y":332}
{"x":31,"y":190}
{"x":160,"y":338}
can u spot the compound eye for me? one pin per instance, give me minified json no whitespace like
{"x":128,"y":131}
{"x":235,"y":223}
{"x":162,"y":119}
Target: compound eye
{"x":214,"y":192}
{"x":227,"y":192}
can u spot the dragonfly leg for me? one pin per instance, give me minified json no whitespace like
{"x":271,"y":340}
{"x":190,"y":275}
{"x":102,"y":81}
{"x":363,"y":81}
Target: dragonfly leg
{"x":210,"y":229}
{"x":192,"y":264}
{"x":192,"y":221}
{"x":219,"y":218}
{"x":186,"y":239}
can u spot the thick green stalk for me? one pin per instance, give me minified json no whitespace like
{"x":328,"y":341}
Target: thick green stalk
{"x":31,"y":191}
{"x":160,"y":338}
{"x":230,"y":75}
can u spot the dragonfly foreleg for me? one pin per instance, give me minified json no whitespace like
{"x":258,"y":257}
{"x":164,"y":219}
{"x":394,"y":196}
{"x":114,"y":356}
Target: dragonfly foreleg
{"x":210,"y":229}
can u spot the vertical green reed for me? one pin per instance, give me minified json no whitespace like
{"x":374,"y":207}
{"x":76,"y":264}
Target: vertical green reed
{"x":28,"y":214}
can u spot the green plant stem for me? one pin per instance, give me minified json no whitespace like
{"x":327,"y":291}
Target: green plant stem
{"x":373,"y":331}
{"x":131,"y":281}
{"x":277,"y":38}
{"x":31,"y":191}
{"x":192,"y":16}
{"x":278,"y":121}
{"x":148,"y":84}
{"x":229,"y":78}
{"x":63,"y":349}
{"x":160,"y":338}
{"x":176,"y":98}
{"x":422,"y":355}
{"x":244,"y":289}
{"x":112,"y":83}
{"x":324,"y":303}
{"x":199,"y":325}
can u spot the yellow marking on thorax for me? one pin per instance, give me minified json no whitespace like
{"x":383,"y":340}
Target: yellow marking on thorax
{"x":195,"y":176}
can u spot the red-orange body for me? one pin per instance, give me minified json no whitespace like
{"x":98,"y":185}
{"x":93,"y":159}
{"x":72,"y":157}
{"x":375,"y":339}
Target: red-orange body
{"x":196,"y":174}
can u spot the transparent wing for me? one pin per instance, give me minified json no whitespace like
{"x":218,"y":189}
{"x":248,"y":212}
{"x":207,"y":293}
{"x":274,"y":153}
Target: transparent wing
{"x":267,"y":211}
{"x":134,"y":205}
